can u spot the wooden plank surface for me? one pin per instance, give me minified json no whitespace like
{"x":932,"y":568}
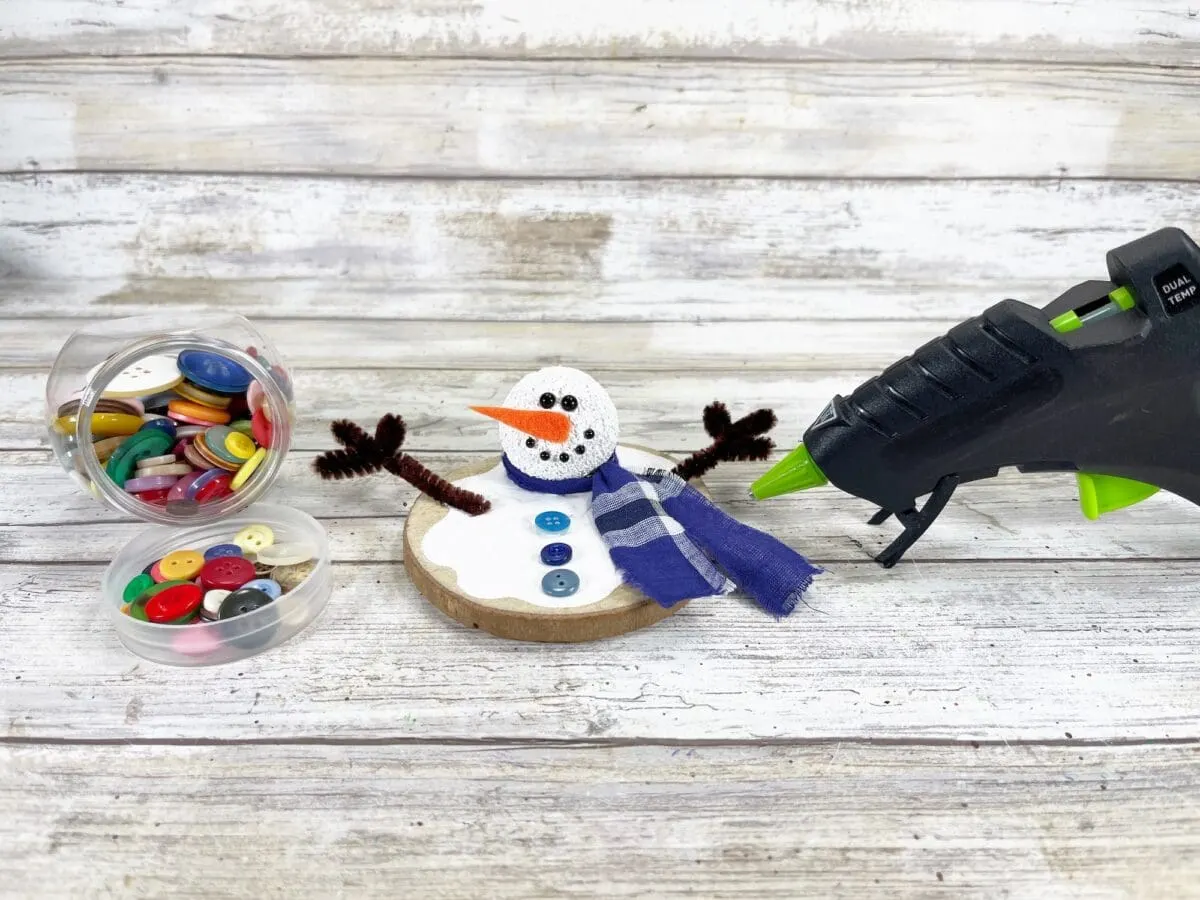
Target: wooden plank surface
{"x":740,"y":250}
{"x":817,"y":345}
{"x":841,"y":820}
{"x":1092,"y":650}
{"x":1038,"y":31}
{"x":761,"y":204}
{"x":587,"y":119}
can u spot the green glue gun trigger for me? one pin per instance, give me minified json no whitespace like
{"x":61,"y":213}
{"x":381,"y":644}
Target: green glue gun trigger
{"x":1103,"y":382}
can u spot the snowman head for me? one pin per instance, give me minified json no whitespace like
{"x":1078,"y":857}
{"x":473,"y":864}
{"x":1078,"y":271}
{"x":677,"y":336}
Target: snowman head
{"x":556,"y":423}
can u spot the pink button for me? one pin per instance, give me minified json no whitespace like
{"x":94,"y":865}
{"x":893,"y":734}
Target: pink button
{"x":179,"y":488}
{"x":150,"y":483}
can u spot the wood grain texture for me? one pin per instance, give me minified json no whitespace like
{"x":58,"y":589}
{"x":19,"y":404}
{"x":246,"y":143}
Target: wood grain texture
{"x":1093,"y":650}
{"x":1112,"y":31}
{"x":105,"y":245}
{"x":839,"y":820}
{"x":396,"y":192}
{"x":817,"y":345}
{"x":1013,"y":517}
{"x":587,"y":119}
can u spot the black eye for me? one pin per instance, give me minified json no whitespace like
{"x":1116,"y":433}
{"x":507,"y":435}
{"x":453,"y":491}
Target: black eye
{"x":530,"y":442}
{"x":562,"y":457}
{"x":547,"y":400}
{"x":545,"y":454}
{"x":569,"y":403}
{"x":581,"y":449}
{"x":589,"y":434}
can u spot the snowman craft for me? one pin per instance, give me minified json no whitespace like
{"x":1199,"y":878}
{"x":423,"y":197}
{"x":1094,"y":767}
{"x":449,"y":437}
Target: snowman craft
{"x":570,"y":536}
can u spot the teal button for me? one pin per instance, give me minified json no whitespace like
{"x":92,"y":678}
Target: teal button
{"x":552,"y":521}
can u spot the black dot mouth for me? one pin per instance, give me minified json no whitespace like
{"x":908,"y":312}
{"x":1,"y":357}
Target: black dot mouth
{"x":563,"y":457}
{"x":530,"y":442}
{"x":545,"y":454}
{"x":581,"y":449}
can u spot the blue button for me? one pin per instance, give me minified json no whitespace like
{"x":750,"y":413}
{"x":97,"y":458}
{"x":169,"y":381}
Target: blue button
{"x":560,"y":583}
{"x":212,"y":371}
{"x":165,"y":425}
{"x":222,"y":550}
{"x":269,"y":587}
{"x":552,"y":521}
{"x":556,"y":554}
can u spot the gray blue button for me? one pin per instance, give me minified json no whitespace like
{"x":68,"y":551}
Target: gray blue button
{"x":556,"y":554}
{"x":222,"y":550}
{"x":560,"y":583}
{"x":268,"y":586}
{"x":552,"y":521}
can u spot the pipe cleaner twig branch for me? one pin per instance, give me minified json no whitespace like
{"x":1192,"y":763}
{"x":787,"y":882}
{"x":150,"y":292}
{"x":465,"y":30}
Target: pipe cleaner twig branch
{"x":732,"y":441}
{"x":366,"y":455}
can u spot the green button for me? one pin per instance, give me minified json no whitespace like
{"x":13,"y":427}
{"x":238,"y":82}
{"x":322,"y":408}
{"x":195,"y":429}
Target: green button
{"x":137,"y":587}
{"x":142,"y":445}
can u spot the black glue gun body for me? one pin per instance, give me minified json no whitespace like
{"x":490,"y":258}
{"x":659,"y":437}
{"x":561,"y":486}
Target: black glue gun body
{"x":1103,"y":382}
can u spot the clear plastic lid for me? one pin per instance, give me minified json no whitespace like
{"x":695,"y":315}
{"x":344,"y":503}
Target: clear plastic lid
{"x":177,"y":423}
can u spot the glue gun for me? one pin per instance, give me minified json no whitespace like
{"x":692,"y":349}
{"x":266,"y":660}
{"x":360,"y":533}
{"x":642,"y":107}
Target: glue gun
{"x":1103,"y":382}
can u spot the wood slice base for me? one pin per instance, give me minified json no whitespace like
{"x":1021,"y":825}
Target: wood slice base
{"x":623,"y":610}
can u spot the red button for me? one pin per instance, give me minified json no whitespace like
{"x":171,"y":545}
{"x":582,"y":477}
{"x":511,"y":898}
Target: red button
{"x":226,"y":573}
{"x":260,"y":428}
{"x":215,"y":489}
{"x":174,"y":603}
{"x":158,"y":497}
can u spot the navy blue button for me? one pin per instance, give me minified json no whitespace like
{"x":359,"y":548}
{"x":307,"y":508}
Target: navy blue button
{"x":212,"y":371}
{"x":560,"y":583}
{"x":222,"y":550}
{"x":556,"y":554}
{"x":552,"y":521}
{"x":164,"y":425}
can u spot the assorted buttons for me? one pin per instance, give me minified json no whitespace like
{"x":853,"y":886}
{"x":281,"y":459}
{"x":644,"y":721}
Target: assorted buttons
{"x":559,"y":582}
{"x":217,"y":583}
{"x":178,"y":430}
{"x":552,"y":521}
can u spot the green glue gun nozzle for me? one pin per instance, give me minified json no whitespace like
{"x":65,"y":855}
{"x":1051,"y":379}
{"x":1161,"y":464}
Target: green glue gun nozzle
{"x":1100,"y":494}
{"x":795,"y":472}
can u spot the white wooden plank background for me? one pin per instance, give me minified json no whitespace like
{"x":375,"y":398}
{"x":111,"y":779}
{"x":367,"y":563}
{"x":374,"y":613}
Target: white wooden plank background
{"x":1036,"y":31}
{"x":763,"y":203}
{"x":470,"y":118}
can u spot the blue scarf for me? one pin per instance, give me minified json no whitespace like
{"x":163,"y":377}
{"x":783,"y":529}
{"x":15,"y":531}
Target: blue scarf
{"x":672,"y":544}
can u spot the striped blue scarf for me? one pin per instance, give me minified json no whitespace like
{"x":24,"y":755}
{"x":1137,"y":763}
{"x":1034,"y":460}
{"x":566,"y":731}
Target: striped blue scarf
{"x":672,"y":544}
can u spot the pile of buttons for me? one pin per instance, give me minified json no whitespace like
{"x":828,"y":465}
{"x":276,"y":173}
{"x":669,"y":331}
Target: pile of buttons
{"x":558,"y":582}
{"x":185,"y":429}
{"x":224,"y":581}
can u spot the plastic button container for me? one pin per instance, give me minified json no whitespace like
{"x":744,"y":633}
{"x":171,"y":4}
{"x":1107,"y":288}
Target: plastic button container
{"x":112,"y":370}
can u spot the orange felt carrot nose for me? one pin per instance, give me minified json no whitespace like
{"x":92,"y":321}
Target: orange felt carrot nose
{"x":540,"y":423}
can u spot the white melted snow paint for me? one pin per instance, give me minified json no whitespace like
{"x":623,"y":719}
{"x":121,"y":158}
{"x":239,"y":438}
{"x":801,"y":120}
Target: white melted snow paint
{"x":497,"y":554}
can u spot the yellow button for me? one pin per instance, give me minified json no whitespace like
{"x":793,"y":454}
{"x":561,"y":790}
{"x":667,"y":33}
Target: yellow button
{"x":189,"y":391}
{"x":103,"y":424}
{"x":182,"y":565}
{"x":248,"y":469}
{"x":253,"y":538}
{"x":239,"y":445}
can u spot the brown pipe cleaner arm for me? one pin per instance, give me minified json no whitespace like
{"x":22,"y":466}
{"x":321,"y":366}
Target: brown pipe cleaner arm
{"x":740,"y":440}
{"x":365,"y":455}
